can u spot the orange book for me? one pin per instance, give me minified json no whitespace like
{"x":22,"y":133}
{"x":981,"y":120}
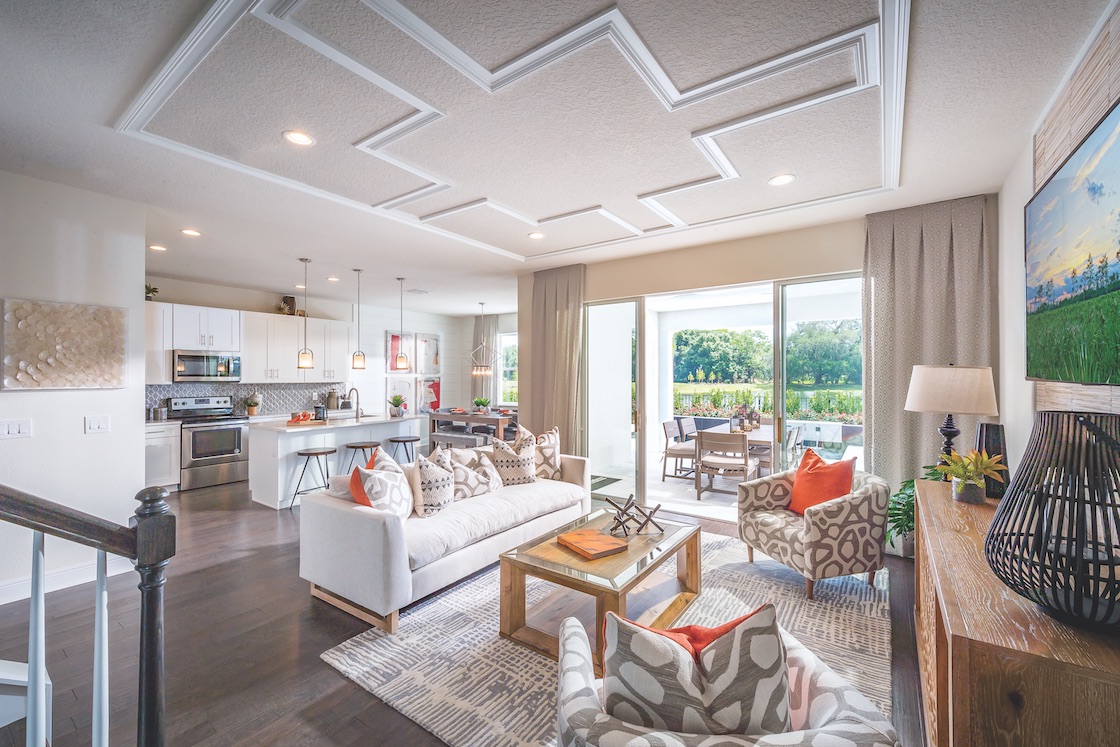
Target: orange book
{"x":591,"y":543}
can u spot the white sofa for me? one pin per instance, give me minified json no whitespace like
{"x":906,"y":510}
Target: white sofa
{"x":372,"y":563}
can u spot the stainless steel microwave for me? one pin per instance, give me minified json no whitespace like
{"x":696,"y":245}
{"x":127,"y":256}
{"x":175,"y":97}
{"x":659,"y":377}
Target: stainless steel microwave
{"x":205,"y":365}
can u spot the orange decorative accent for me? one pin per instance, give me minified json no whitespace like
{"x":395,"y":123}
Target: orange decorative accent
{"x":817,"y":481}
{"x":357,"y":490}
{"x":372,"y":458}
{"x":591,"y":543}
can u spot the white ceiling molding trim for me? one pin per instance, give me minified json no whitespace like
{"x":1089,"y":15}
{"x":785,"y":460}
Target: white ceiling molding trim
{"x":486,"y":202}
{"x":895,"y":17}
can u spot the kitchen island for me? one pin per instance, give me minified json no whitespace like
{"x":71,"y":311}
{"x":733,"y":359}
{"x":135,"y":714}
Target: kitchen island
{"x":274,"y":466}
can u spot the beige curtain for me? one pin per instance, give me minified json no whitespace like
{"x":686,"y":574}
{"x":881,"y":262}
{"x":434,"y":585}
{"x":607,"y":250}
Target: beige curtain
{"x":557,"y":354}
{"x":485,"y":341}
{"x":927,"y":298}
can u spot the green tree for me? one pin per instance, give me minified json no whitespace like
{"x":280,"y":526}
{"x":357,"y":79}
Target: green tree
{"x":825,"y":353}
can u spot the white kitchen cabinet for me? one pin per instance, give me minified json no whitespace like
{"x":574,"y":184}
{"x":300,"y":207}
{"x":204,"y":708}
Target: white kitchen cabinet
{"x":158,"y":326}
{"x":341,"y":348}
{"x":269,"y":347}
{"x":162,"y":450}
{"x":204,"y":328}
{"x":329,"y":340}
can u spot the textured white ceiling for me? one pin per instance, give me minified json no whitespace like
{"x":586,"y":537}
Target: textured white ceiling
{"x":583,"y":138}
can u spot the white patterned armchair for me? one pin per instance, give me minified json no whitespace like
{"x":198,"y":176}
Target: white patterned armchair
{"x":824,"y":708}
{"x":839,"y":537}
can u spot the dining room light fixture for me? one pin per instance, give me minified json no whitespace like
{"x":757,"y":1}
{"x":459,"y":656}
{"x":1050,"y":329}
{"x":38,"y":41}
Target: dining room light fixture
{"x":401,"y":362}
{"x":482,"y":357}
{"x":306,"y":358}
{"x":780,"y":180}
{"x":190,"y":232}
{"x":296,"y":137}
{"x":332,"y":279}
{"x":358,"y":360}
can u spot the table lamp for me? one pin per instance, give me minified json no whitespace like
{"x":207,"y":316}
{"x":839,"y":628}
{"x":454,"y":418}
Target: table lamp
{"x":964,"y":390}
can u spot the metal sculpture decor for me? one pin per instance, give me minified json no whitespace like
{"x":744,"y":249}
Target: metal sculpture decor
{"x":1055,"y":538}
{"x":631,"y":513}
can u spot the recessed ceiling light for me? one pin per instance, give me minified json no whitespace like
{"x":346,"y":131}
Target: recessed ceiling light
{"x":301,"y":287}
{"x":157,"y":248}
{"x":780,"y":180}
{"x":298,"y":138}
{"x":190,"y":232}
{"x":536,"y":235}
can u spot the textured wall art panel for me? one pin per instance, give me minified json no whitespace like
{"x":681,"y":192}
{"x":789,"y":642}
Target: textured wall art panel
{"x":64,"y":346}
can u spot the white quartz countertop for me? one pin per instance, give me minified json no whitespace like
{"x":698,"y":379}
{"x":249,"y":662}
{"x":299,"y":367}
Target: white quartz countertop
{"x":280,"y":424}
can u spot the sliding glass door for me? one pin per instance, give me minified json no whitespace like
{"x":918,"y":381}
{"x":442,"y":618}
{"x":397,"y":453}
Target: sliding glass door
{"x":613,"y":415}
{"x":818,"y":367}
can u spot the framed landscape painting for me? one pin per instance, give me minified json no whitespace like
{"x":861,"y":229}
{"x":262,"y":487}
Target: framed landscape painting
{"x":1073,"y":265}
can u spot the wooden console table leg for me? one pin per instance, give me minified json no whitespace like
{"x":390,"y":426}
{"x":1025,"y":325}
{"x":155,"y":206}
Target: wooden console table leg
{"x":513,"y":599}
{"x":688,"y":565}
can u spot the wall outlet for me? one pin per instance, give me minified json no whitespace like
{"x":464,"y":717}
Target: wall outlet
{"x":97,"y":424}
{"x":15,"y":429}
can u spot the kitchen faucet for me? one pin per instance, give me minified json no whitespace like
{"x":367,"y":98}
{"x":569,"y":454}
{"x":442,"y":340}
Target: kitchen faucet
{"x":357,"y":410}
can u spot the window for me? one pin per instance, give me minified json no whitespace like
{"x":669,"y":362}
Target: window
{"x":507,"y":344}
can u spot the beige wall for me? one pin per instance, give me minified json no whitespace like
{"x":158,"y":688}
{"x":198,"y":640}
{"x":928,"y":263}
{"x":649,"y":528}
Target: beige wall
{"x":820,"y":250}
{"x":68,"y":245}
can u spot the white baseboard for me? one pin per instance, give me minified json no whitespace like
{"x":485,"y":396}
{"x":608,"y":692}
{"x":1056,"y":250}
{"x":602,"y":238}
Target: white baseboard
{"x":63,"y":578}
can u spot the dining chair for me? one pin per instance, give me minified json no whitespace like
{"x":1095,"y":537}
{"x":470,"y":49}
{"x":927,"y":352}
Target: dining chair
{"x":677,"y":450}
{"x":723,"y":454}
{"x":688,"y":428}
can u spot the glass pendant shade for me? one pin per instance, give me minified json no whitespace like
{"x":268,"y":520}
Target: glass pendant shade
{"x":358,"y":360}
{"x":482,"y":371}
{"x":306,"y":359}
{"x":402,"y":362}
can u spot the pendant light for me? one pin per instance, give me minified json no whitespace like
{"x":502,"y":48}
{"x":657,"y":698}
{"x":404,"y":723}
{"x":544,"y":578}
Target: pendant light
{"x":480,"y":360}
{"x":358,"y":360}
{"x":306,"y":357}
{"x":401,"y":363}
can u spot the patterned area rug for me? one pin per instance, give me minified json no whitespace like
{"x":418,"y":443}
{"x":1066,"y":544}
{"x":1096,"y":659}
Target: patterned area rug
{"x":448,"y":670}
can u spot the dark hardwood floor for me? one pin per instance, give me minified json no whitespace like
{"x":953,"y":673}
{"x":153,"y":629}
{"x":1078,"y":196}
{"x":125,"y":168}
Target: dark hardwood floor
{"x":243,"y":639}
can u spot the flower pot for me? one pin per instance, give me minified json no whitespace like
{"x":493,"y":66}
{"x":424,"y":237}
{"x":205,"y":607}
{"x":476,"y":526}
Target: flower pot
{"x":252,"y":410}
{"x":907,"y":545}
{"x":396,"y":412}
{"x":969,"y":492}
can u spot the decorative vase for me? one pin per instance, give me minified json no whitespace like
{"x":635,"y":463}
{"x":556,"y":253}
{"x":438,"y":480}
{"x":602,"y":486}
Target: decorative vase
{"x":969,"y":492}
{"x":1055,"y":535}
{"x":252,"y":410}
{"x":989,"y":438}
{"x":396,"y":412}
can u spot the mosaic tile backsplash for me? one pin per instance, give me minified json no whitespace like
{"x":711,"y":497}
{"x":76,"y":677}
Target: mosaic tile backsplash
{"x":276,"y":399}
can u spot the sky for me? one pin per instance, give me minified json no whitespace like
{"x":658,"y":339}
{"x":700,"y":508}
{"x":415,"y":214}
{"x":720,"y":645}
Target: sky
{"x":1077,"y":213}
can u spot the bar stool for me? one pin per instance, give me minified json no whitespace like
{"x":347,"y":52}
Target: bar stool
{"x":406,"y":442}
{"x":325,"y":471}
{"x":362,"y":446}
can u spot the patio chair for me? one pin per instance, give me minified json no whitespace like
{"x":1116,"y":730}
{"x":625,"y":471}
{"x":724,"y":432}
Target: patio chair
{"x":688,"y":429}
{"x":724,"y":454}
{"x":677,"y":450}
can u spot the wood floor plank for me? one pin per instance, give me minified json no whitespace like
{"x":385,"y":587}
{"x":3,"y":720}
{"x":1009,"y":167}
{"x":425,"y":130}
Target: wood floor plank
{"x":243,"y":639}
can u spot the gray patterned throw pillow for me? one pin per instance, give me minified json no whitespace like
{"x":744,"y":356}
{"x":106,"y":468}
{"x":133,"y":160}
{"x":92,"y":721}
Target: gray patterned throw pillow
{"x":548,"y":451}
{"x":474,"y":473}
{"x":437,"y":483}
{"x":726,"y":680}
{"x":516,"y":466}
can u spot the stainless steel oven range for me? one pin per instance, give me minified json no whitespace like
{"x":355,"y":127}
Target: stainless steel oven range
{"x":215,"y":443}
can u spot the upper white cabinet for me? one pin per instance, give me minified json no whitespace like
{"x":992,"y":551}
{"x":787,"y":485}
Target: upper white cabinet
{"x":329,"y":340}
{"x":157,"y":342}
{"x":269,"y":348}
{"x":204,"y":328}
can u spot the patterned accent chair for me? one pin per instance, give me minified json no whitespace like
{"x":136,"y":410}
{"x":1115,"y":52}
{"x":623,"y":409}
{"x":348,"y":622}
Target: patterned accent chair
{"x":824,"y":708}
{"x":836,"y":538}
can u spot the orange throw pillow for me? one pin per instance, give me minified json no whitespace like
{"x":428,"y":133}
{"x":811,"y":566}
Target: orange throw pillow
{"x":357,"y":490}
{"x":694,"y":638}
{"x":817,"y":481}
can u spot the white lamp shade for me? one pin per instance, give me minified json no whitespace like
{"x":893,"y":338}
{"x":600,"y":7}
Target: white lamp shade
{"x":306,"y":359}
{"x":358,"y":360}
{"x":959,"y":390}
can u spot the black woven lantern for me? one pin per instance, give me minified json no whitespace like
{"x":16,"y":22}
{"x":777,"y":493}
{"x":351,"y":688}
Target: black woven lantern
{"x":1055,"y":538}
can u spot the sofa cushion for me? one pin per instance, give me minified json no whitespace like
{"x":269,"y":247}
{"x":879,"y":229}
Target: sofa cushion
{"x":474,"y":473}
{"x":383,"y":489}
{"x":517,"y":466}
{"x":547,"y":457}
{"x":435,"y":483}
{"x":468,"y":521}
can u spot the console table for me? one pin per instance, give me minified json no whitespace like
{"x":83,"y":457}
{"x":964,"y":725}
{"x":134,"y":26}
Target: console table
{"x":995,"y":668}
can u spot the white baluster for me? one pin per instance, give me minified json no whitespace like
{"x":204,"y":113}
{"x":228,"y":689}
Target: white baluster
{"x":37,"y":651}
{"x":101,"y":656}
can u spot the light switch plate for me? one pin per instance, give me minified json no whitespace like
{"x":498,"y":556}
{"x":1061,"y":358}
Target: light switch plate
{"x":15,"y":428}
{"x":97,"y":424}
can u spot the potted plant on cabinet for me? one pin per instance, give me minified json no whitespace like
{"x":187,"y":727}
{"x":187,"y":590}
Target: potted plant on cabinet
{"x":252,"y":403}
{"x":397,"y":405}
{"x":968,"y":473}
{"x":150,"y":292}
{"x":900,"y":514}
{"x":481,"y":405}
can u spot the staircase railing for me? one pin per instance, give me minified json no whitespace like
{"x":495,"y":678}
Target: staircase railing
{"x":149,"y":541}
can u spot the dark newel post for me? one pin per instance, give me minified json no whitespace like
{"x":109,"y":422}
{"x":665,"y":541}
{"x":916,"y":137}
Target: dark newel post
{"x":155,"y":545}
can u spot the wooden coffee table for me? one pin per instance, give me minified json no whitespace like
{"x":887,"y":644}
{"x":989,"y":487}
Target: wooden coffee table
{"x":607,"y":579}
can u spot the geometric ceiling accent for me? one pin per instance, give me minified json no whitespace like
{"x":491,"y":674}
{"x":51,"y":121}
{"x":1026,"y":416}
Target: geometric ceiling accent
{"x":456,"y":143}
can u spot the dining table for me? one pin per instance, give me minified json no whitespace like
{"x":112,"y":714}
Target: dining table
{"x":496,"y":419}
{"x":762,"y":435}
